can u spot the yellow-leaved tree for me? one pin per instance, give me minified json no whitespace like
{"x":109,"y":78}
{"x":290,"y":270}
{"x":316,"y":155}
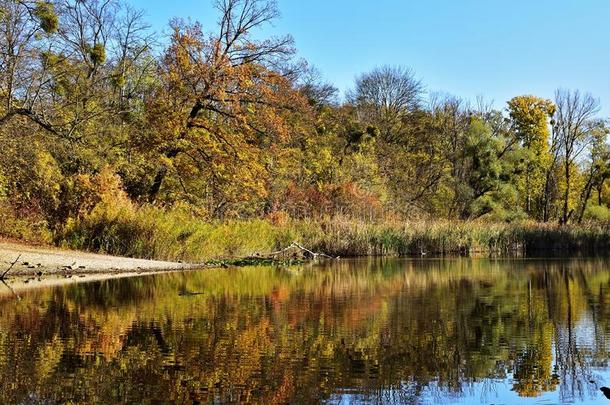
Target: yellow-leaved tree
{"x":531,"y":117}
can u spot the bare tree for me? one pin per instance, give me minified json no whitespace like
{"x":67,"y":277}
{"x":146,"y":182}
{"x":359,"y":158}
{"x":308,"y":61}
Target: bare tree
{"x":597,"y":166}
{"x":573,"y":124}
{"x":312,"y":85}
{"x":234,"y":42}
{"x":132,"y":44}
{"x":26,"y":31}
{"x":385,"y":96}
{"x":59,"y":61}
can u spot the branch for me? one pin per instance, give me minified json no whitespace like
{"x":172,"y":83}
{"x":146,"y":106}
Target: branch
{"x":27,"y":113}
{"x":298,"y":246}
{"x":3,"y":276}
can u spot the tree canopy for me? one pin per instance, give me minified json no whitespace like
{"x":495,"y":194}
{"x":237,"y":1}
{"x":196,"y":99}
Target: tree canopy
{"x":232,"y":124}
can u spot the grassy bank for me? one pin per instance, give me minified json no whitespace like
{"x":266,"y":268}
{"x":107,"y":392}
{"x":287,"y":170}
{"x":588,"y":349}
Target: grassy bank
{"x":153,"y":233}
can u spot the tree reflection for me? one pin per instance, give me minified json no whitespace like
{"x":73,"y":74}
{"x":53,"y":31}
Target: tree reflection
{"x":380,"y":331}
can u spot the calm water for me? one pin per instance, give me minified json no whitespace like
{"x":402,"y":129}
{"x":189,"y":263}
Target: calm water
{"x":385,"y":331}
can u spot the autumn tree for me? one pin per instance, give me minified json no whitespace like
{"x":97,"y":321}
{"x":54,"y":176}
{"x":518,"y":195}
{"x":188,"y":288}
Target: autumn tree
{"x":222,"y":121}
{"x":390,"y":99}
{"x":81,"y":69}
{"x":221,"y":103}
{"x":530,"y":116}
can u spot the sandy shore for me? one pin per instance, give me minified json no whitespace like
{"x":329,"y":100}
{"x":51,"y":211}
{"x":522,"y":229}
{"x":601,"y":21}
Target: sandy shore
{"x":39,"y":261}
{"x":43,"y":267}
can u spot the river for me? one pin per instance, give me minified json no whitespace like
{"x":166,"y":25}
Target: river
{"x":349,"y":331}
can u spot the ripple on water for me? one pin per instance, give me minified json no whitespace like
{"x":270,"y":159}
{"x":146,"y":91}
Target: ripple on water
{"x":397,"y":331}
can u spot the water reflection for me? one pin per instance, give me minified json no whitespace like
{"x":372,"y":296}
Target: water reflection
{"x":502,"y":331}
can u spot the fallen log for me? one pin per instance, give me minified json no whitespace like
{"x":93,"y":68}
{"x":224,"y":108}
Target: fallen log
{"x":274,"y":258}
{"x":313,"y":254}
{"x":294,"y":245}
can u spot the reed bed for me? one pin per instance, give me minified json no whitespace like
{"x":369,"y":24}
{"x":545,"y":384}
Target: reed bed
{"x":151,"y":232}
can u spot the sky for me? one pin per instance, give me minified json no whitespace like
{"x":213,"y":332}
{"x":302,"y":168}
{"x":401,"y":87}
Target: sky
{"x":497,"y":49}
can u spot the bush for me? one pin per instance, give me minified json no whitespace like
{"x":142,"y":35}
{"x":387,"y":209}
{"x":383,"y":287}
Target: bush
{"x":30,"y":228}
{"x":598,"y":213}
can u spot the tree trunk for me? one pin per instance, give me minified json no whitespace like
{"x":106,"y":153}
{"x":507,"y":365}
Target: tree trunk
{"x":546,"y":198}
{"x":586,"y":194}
{"x":567,"y":193}
{"x":160,"y":176}
{"x":527,"y":191}
{"x":547,"y":189}
{"x":156,"y":184}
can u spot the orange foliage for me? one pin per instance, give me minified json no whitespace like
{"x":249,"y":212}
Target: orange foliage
{"x":330,"y":199}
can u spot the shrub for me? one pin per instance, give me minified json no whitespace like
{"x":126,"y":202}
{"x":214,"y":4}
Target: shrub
{"x":598,"y":212}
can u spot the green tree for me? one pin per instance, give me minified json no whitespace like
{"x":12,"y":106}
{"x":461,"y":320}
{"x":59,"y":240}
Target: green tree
{"x":490,"y":191}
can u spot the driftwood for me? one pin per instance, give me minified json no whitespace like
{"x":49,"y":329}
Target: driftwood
{"x":293,"y":245}
{"x":3,"y":276}
{"x":313,"y":254}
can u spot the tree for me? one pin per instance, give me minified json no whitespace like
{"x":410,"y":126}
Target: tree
{"x":61,"y":60}
{"x":530,"y":116}
{"x":318,"y":92}
{"x":598,"y":166}
{"x":222,"y":102}
{"x":574,"y":125}
{"x":26,"y":29}
{"x":385,"y":96}
{"x":489,"y":171}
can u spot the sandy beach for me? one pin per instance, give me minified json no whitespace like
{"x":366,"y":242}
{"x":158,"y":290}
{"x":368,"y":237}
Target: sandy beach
{"x":37,"y":261}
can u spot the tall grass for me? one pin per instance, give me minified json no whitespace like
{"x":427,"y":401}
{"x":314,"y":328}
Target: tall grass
{"x":153,"y":233}
{"x":176,"y":234}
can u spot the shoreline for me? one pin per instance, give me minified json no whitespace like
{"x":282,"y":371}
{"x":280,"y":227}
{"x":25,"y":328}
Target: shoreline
{"x":40,"y":261}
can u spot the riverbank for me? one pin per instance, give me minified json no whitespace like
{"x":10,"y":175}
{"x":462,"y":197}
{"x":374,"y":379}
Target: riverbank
{"x":42,"y":260}
{"x":177,"y":235}
{"x":163,"y":240}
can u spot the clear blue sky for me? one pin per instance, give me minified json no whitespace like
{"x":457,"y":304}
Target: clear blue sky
{"x":494,"y":48}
